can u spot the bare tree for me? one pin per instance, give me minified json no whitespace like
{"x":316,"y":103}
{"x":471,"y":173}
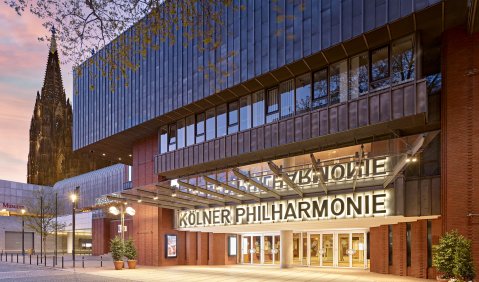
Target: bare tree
{"x":44,"y":225}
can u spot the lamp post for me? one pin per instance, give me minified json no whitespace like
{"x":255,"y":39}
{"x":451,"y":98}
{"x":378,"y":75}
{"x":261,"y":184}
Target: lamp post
{"x":23,"y":232}
{"x":73,"y":198}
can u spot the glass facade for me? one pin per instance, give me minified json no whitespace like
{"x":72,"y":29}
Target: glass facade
{"x":345,"y":80}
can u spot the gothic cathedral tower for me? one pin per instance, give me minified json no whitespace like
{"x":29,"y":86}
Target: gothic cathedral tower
{"x":51,"y":157}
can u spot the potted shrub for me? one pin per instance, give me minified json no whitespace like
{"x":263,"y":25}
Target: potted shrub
{"x":130,"y":253}
{"x":453,"y":258}
{"x":117,"y":252}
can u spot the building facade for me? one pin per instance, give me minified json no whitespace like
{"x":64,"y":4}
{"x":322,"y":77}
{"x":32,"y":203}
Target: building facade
{"x":328,"y":134}
{"x":51,"y":157}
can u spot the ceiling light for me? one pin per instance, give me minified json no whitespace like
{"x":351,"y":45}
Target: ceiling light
{"x":139,"y":201}
{"x":103,"y":154}
{"x":114,"y":210}
{"x":155,"y":198}
{"x":173,"y":195}
{"x":414,"y":159}
{"x":129,"y":155}
{"x":119,"y":159}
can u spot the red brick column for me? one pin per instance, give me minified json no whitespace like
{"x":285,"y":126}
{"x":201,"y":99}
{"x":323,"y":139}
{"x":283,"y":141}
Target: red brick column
{"x":202,"y":248}
{"x":191,"y":248}
{"x":100,"y":236}
{"x":379,"y":249}
{"x":399,"y":263}
{"x":418,"y":249}
{"x":460,"y":130}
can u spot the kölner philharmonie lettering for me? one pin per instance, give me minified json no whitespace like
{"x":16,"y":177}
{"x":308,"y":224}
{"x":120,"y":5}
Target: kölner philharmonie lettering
{"x":367,"y":204}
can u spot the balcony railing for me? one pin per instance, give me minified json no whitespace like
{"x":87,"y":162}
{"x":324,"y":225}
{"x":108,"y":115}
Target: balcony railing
{"x":379,"y":107}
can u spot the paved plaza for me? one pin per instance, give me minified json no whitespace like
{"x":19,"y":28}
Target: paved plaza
{"x":18,"y":272}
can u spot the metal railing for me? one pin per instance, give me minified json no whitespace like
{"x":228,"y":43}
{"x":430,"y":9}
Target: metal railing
{"x":50,"y":261}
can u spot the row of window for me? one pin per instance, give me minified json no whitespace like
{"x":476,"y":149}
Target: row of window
{"x":345,"y":80}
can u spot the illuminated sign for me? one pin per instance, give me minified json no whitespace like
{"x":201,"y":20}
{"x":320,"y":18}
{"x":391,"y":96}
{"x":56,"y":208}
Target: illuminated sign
{"x":365,"y":204}
{"x":12,"y":206}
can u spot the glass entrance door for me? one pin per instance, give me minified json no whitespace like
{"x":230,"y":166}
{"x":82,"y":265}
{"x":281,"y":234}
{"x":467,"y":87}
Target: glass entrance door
{"x":260,"y":249}
{"x":343,"y":250}
{"x":327,"y":250}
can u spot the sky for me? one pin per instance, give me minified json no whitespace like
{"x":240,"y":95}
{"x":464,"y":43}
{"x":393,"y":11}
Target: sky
{"x":22,"y":68}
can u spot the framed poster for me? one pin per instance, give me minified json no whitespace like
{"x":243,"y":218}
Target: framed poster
{"x":232,"y":245}
{"x":170,"y":246}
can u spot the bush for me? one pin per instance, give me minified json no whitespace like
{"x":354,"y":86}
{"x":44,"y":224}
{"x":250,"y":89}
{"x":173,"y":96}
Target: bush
{"x":117,"y":249}
{"x":130,"y":250}
{"x":453,"y":257}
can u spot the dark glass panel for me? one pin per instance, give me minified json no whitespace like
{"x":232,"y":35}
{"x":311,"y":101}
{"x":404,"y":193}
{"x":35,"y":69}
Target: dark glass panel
{"x":380,"y":68}
{"x":258,"y":108}
{"x":233,"y":117}
{"x":358,"y":76}
{"x":245,"y":112}
{"x":320,"y":88}
{"x":303,"y":93}
{"x":200,"y":128}
{"x":172,"y":138}
{"x":221,"y":120}
{"x":338,"y":82}
{"x":272,"y":105}
{"x":163,"y":139}
{"x":181,"y":133}
{"x":210,"y":124}
{"x":402,"y":60}
{"x":190,"y":130}
{"x":286,"y":98}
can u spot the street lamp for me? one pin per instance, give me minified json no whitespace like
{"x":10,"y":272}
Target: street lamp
{"x":73,"y":198}
{"x":23,"y":231}
{"x":115,"y":211}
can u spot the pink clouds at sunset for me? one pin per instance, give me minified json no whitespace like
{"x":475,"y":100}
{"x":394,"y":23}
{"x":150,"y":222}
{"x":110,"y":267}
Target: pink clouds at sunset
{"x":22,"y":67}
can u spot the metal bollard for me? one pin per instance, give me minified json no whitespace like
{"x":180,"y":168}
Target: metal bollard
{"x":45,"y":260}
{"x":101,"y":261}
{"x":17,"y":258}
{"x":30,"y":259}
{"x":83,"y":261}
{"x":62,"y":261}
{"x":11,"y":257}
{"x":1,"y":256}
{"x":23,"y":258}
{"x":37,"y":259}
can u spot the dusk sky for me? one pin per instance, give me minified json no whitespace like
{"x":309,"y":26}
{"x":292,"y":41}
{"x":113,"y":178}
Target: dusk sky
{"x":22,"y":68}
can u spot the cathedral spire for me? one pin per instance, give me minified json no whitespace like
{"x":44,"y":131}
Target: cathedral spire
{"x":53,"y":83}
{"x":53,"y":42}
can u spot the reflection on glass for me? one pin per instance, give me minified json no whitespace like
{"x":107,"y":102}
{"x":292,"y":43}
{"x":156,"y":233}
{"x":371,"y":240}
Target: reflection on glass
{"x":221,"y":120}
{"x":257,"y":249}
{"x":305,"y":248}
{"x":268,"y":249}
{"x":296,"y":248}
{"x":245,"y":112}
{"x":164,"y":139}
{"x":233,"y":117}
{"x":181,"y":133}
{"x":338,"y":82}
{"x":245,"y":248}
{"x":380,"y":68}
{"x":200,"y":128}
{"x":286,"y":95}
{"x":190,"y":130}
{"x":320,"y":88}
{"x":343,"y":248}
{"x":258,"y":108}
{"x":210,"y":124}
{"x":327,"y":250}
{"x":358,"y":249}
{"x":277,"y":249}
{"x":358,"y":76}
{"x":314,"y":250}
{"x":172,"y":138}
{"x":402,"y":60}
{"x":272,"y":105}
{"x":303,"y":93}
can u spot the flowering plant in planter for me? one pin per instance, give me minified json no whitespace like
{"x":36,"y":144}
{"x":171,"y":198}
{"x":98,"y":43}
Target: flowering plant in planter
{"x":130,"y":253}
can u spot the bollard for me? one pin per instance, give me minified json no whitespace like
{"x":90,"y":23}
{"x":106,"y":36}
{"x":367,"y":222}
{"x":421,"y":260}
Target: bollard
{"x":37,"y":259}
{"x":11,"y":257}
{"x":62,"y":261}
{"x":23,"y":259}
{"x":101,"y":261}
{"x":30,"y":258}
{"x":17,"y":257}
{"x":1,"y":256}
{"x":45,"y":260}
{"x":83,"y":261}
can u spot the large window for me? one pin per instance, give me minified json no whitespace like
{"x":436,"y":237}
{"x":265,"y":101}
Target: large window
{"x":190,"y":130}
{"x":358,"y":76}
{"x":402,"y":60}
{"x":286,"y":98}
{"x":221,"y":120}
{"x":172,"y":137}
{"x":245,"y":112}
{"x":338,"y":82}
{"x":380,"y":68}
{"x":258,"y":108}
{"x":200,"y":128}
{"x":181,"y":133}
{"x":210,"y":124}
{"x":233,"y":117}
{"x":320,"y":88}
{"x":303,"y":93}
{"x":163,"y":139}
{"x":272,"y":105}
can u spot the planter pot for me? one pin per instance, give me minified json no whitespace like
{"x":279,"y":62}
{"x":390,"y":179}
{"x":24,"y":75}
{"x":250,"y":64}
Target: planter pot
{"x":131,"y":264}
{"x":440,"y":279}
{"x":118,"y":265}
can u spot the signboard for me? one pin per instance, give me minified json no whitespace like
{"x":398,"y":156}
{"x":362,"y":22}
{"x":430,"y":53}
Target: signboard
{"x":232,"y":245}
{"x":11,"y":206}
{"x":170,"y":246}
{"x":364,"y":204}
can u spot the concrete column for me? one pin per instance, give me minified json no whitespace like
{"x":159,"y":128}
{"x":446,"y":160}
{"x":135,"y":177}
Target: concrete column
{"x":69,"y":242}
{"x":286,"y":244}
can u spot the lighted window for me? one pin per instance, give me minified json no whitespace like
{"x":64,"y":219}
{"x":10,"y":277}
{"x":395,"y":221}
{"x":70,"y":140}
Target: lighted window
{"x":258,"y":108}
{"x":380,"y":68}
{"x":402,"y":60}
{"x":200,"y":128}
{"x":320,"y":88}
{"x":190,"y":130}
{"x":221,"y":120}
{"x":338,"y":82}
{"x":233,"y":117}
{"x":210,"y":124}
{"x":286,"y":98}
{"x":272,"y":105}
{"x":245,"y":112}
{"x":303,"y":93}
{"x":358,"y":76}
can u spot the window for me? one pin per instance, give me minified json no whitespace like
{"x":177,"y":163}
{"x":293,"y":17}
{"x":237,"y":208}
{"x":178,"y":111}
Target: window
{"x":181,"y":133}
{"x":272,"y":105}
{"x":172,"y":138}
{"x":233,"y":117}
{"x":200,"y":128}
{"x":390,"y":245}
{"x":163,"y":139}
{"x":402,"y":60}
{"x":320,"y":88}
{"x":338,"y":82}
{"x":286,"y":98}
{"x":221,"y":120}
{"x":258,"y":108}
{"x":408,"y":243}
{"x":358,"y":76}
{"x":303,"y":93}
{"x":190,"y":130}
{"x":245,"y":112}
{"x":380,"y":68}
{"x":210,"y":124}
{"x":429,"y":243}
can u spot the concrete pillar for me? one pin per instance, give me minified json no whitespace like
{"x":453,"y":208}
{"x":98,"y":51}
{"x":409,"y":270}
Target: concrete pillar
{"x":286,"y":245}
{"x":69,"y":242}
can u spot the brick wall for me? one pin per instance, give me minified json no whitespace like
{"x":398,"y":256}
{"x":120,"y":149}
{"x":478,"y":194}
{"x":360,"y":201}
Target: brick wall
{"x":379,"y":260}
{"x":399,"y":263}
{"x":418,"y":249}
{"x":460,"y":129}
{"x":100,"y":236}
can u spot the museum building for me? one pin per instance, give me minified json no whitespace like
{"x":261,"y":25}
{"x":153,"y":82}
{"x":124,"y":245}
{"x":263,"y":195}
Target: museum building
{"x":327,"y":134}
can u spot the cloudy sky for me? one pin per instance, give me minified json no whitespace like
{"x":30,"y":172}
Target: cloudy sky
{"x":22,"y":68}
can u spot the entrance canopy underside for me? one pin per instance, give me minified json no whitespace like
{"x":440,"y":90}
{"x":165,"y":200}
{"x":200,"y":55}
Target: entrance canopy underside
{"x":302,"y":226}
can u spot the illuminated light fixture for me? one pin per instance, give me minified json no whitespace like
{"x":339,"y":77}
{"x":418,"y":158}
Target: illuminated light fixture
{"x":173,"y":195}
{"x":4,"y":210}
{"x":131,"y":211}
{"x":125,"y":203}
{"x":414,"y":159}
{"x":129,"y":155}
{"x":114,"y":210}
{"x":119,"y":159}
{"x":155,"y":198}
{"x":139,"y":201}
{"x":408,"y":158}
{"x":73,"y":197}
{"x":23,"y":211}
{"x":103,"y":154}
